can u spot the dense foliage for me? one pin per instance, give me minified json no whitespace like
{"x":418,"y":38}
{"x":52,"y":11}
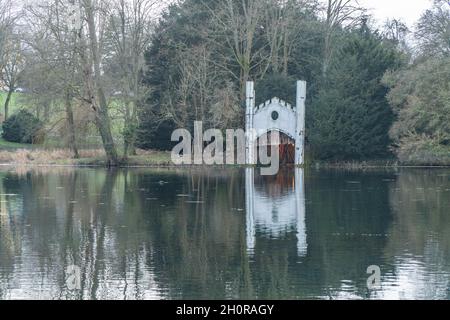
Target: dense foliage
{"x":420,"y":96}
{"x":351,"y":116}
{"x":22,"y":127}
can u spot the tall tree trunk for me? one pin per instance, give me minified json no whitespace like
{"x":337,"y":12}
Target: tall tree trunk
{"x":327,"y":39}
{"x":71,"y":123}
{"x":129,"y":148}
{"x":129,"y":134}
{"x":101,"y":109}
{"x":104,"y":126}
{"x":286,"y":53}
{"x":131,"y":118}
{"x":127,"y":131}
{"x":7,"y":102}
{"x":46,"y":112}
{"x":326,"y":55}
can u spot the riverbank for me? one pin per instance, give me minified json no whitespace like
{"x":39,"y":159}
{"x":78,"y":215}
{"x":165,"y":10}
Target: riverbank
{"x":39,"y":157}
{"x":97,"y":158}
{"x":375,"y":164}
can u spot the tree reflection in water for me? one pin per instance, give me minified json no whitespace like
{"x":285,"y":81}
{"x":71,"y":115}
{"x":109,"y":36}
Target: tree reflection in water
{"x":223,"y":233}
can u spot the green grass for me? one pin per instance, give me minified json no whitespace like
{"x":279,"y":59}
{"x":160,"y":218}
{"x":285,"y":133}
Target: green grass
{"x":14,"y":105}
{"x":10,"y":146}
{"x":18,"y":102}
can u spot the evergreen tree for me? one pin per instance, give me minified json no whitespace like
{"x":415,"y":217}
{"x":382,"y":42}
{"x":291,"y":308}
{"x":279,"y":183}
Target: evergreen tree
{"x":351,"y":117}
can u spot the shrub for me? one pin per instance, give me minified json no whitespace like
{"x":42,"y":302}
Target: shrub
{"x":22,"y":127}
{"x":420,"y":98}
{"x":423,"y":151}
{"x":151,"y":135}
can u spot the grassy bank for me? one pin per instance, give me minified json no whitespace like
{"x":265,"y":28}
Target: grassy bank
{"x":22,"y":156}
{"x":18,"y":154}
{"x":11,"y":146}
{"x":391,"y":163}
{"x":378,"y":164}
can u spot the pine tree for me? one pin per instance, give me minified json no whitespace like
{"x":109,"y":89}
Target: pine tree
{"x":351,"y":116}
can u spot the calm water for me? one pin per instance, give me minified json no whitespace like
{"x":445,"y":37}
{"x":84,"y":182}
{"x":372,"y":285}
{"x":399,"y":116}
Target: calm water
{"x":215,"y":234}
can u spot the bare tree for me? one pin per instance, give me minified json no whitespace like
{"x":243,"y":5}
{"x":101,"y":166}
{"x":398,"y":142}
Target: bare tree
{"x":284,"y":25}
{"x":53,"y":44}
{"x":235,"y":28}
{"x":279,"y":29}
{"x":90,"y":54}
{"x":433,"y":29}
{"x":10,"y":60}
{"x":6,"y":23}
{"x":396,"y":31}
{"x":129,"y":32}
{"x":13,"y":67}
{"x":201,"y":92}
{"x":339,"y":14}
{"x":111,"y":35}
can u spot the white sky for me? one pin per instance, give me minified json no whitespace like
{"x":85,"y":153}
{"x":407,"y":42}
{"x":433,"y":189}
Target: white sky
{"x":408,"y":11}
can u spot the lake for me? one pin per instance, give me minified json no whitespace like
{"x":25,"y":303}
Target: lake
{"x":224,"y":234}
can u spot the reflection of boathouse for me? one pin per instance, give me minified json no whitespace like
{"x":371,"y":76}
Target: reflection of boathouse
{"x":276,"y":207}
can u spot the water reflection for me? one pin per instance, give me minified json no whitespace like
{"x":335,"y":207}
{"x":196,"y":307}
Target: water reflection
{"x":276,"y":207}
{"x":198,"y":234}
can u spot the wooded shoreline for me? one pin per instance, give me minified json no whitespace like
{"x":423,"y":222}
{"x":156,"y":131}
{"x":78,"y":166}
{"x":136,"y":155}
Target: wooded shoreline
{"x":122,"y":75}
{"x":162,"y":159}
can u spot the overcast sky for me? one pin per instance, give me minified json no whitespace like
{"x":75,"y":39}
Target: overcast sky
{"x":407,"y":10}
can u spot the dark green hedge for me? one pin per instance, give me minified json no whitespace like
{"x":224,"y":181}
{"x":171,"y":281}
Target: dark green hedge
{"x":22,"y":127}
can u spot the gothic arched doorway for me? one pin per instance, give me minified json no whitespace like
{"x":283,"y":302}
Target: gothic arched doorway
{"x":284,"y":143}
{"x":277,"y":115}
